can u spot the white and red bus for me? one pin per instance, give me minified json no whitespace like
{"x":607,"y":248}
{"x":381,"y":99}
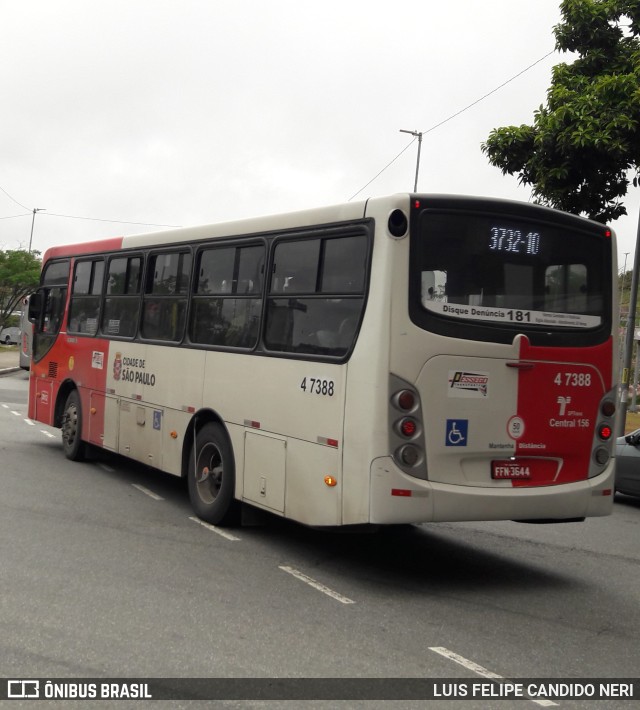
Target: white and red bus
{"x":405,"y":359}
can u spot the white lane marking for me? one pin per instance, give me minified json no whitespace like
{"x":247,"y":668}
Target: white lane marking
{"x":316,"y":585}
{"x":470,"y":665}
{"x":6,"y":406}
{"x":29,"y":422}
{"x":147,"y":492}
{"x":16,"y":413}
{"x":480,"y":670}
{"x":213,"y":528}
{"x":47,"y":433}
{"x":106,"y":468}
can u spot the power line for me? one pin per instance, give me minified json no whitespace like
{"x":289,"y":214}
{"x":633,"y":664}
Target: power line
{"x":70,"y":216}
{"x":388,"y":165}
{"x":13,"y":199}
{"x":450,"y":118}
{"x":13,"y":216}
{"x":493,"y":91}
{"x":114,"y":221}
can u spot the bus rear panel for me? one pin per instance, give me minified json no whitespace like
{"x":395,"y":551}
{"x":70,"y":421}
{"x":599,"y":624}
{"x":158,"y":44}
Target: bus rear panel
{"x":504,"y":355}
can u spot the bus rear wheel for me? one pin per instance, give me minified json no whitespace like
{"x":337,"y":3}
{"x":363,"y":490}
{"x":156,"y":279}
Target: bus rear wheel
{"x":211,"y":476}
{"x":72,"y":443}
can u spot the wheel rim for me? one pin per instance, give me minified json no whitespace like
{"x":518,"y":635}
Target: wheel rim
{"x":209,"y":472}
{"x":70,"y":426}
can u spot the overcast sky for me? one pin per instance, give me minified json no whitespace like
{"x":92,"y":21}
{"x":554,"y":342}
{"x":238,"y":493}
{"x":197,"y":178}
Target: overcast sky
{"x":183,"y":112}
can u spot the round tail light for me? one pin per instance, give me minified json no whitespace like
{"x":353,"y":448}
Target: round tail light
{"x":408,"y":427}
{"x":605,"y":432}
{"x":406,"y":400}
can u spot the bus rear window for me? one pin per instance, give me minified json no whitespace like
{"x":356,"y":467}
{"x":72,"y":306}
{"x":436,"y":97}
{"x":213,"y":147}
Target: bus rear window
{"x":497,"y":269}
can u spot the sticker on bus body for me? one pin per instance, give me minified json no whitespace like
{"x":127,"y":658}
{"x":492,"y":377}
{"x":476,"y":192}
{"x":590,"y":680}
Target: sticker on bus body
{"x":457,"y":432}
{"x":468,"y":384}
{"x":514,"y":315}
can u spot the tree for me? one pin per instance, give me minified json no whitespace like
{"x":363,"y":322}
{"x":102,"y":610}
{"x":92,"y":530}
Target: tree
{"x":583,"y":143}
{"x":19,"y":276}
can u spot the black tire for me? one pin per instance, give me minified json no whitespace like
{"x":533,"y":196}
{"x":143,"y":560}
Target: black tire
{"x":72,"y":444}
{"x":212,"y":476}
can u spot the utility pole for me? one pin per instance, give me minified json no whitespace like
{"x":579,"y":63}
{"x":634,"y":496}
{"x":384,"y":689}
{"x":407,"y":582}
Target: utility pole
{"x":418,"y":135}
{"x":628,"y":341}
{"x":624,"y":273}
{"x":33,"y":220}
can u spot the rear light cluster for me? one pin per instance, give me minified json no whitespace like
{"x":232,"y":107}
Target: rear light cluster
{"x":406,"y":435}
{"x":604,"y":434}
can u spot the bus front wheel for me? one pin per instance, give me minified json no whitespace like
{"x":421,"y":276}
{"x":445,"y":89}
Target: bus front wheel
{"x":211,"y":476}
{"x":72,"y":443}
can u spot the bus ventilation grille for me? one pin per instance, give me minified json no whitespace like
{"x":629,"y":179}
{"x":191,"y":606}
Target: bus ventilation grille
{"x":53,"y":370}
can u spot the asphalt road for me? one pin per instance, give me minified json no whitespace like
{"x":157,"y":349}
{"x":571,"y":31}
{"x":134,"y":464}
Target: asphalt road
{"x":105,"y":573}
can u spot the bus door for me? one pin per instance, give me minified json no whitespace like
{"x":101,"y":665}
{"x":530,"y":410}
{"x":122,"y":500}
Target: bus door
{"x":46,"y":311}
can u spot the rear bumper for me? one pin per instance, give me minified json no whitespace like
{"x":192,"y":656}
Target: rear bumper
{"x":399,"y":498}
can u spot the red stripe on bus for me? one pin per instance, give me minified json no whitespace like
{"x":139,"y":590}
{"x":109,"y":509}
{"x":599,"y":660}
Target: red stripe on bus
{"x":558,"y":403}
{"x":95,"y":247}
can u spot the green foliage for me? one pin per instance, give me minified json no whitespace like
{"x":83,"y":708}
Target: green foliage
{"x":19,"y":276}
{"x":578,"y":153}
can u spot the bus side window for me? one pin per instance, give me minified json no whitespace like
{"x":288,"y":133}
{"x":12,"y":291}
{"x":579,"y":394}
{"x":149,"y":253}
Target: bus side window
{"x":122,"y":299}
{"x":227,"y":301}
{"x":317,"y":295}
{"x":86,"y":291}
{"x":280,"y":328}
{"x":165,"y":299}
{"x":296,"y":266}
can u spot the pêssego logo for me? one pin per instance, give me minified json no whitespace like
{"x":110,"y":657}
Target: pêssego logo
{"x":470,"y":382}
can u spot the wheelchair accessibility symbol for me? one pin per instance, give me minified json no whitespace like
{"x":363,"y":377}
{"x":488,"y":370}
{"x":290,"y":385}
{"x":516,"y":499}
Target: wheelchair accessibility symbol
{"x":457,"y":430}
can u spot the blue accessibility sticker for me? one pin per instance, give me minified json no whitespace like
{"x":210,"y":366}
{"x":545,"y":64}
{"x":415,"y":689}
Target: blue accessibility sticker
{"x":457,"y":432}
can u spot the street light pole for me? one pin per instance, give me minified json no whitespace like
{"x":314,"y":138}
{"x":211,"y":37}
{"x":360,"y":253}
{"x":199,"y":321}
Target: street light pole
{"x":624,"y":273}
{"x":33,"y":220}
{"x":418,"y":135}
{"x":628,"y":341}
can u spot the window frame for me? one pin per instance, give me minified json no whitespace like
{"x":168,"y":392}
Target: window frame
{"x":91,"y":298}
{"x":322,"y":350}
{"x":126,"y":296}
{"x":148,"y":297}
{"x":223,"y":297}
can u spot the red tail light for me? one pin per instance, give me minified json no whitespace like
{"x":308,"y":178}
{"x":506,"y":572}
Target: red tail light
{"x":608,"y":408}
{"x":408,"y":427}
{"x":406,"y":400}
{"x":406,"y":437}
{"x":605,"y":432}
